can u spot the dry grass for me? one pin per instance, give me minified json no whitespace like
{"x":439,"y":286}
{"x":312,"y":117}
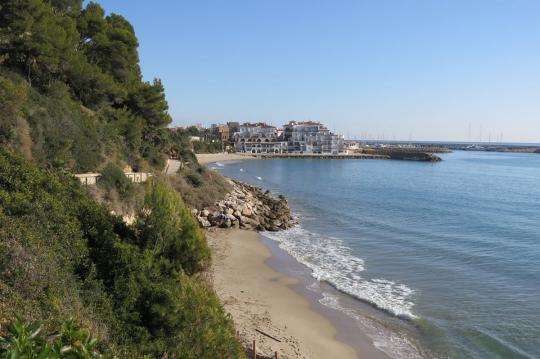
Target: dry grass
{"x":113,"y":201}
{"x":212,"y":186}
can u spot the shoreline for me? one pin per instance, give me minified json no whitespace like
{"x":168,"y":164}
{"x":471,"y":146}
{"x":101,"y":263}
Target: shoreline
{"x":339,"y":329}
{"x":258,"y":296}
{"x":208,"y":158}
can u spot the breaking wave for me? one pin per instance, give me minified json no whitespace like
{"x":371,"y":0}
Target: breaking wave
{"x":331,"y":261}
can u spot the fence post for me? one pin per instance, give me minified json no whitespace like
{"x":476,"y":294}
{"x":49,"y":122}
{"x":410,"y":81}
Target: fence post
{"x":276,"y":355}
{"x":254,"y":352}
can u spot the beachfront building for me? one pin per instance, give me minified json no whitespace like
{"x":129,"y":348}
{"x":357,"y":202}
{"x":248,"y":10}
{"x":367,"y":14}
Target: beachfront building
{"x":295,"y":137}
{"x":256,"y":129}
{"x":351,"y":146}
{"x":259,"y":138}
{"x":234,"y":127}
{"x":261,"y":144}
{"x":220,"y":132}
{"x":312,"y":137}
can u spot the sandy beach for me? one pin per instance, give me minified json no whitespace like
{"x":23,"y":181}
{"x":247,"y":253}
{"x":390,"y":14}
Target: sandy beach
{"x":263,"y":300}
{"x":206,"y":158}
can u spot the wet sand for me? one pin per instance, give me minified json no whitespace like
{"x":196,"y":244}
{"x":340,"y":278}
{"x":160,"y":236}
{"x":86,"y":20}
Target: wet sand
{"x":261,"y":299}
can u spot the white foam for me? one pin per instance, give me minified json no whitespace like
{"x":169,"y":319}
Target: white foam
{"x":330,"y":260}
{"x":242,"y":170}
{"x":394,"y":345}
{"x":259,"y":178}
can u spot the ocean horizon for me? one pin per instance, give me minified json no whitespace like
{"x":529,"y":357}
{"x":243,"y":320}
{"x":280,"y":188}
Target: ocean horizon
{"x":433,"y":260}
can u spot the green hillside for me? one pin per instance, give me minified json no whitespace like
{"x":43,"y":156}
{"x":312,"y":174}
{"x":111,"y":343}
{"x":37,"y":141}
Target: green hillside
{"x":72,"y":100}
{"x":71,"y":90}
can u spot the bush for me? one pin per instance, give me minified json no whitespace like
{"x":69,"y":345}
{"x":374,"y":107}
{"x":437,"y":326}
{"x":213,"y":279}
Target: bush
{"x":27,"y":340}
{"x":113,"y":178}
{"x":167,"y":226}
{"x":211,"y":188}
{"x":194,"y":179}
{"x":12,"y":96}
{"x":63,"y":255}
{"x":213,"y":146}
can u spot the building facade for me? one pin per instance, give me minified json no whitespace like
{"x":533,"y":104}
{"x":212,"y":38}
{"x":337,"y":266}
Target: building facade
{"x":312,"y":137}
{"x":295,"y":137}
{"x":220,"y":132}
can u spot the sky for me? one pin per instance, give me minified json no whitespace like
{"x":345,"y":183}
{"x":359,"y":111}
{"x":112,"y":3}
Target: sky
{"x":404,"y":69}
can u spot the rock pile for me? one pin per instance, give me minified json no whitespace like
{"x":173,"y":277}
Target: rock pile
{"x":247,"y":207}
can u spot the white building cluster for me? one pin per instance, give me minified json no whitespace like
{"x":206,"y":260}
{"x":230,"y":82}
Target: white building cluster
{"x":295,"y":137}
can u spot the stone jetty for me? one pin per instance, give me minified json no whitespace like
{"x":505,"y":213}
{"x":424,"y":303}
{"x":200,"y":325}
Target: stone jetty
{"x":247,"y":207}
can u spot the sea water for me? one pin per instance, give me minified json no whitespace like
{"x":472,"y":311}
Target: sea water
{"x":433,"y":259}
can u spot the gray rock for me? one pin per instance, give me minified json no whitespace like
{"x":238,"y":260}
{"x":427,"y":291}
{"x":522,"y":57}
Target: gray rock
{"x":203,"y":222}
{"x":226,"y":224}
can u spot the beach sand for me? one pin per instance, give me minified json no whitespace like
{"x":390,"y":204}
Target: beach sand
{"x":259,"y":298}
{"x":206,"y":158}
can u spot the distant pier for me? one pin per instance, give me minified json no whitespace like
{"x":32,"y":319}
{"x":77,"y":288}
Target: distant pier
{"x":319,"y":156}
{"x":386,"y":154}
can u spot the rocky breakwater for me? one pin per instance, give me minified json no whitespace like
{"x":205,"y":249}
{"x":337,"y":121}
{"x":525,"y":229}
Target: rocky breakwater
{"x":247,"y":207}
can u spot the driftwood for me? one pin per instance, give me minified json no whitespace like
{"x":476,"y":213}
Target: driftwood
{"x":268,"y":335}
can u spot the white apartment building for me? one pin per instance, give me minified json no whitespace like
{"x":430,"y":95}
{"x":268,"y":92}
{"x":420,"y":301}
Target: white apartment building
{"x":296,"y":137}
{"x":312,"y":137}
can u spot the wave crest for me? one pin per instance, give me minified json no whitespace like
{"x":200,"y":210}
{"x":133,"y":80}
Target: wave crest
{"x":331,"y":261}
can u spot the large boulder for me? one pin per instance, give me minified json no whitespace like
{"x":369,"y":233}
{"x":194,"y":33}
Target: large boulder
{"x":203,"y":222}
{"x":226,"y":224}
{"x":246,"y":211}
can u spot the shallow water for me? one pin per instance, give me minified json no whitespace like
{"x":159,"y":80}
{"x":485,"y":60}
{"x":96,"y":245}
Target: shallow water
{"x":446,"y":255}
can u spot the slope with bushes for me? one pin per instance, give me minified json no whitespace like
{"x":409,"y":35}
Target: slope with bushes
{"x":136,"y":288}
{"x":71,"y":89}
{"x":72,"y":99}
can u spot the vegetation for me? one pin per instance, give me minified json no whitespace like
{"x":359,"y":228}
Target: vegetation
{"x":181,"y":139}
{"x":71,"y":82}
{"x":28,"y":341}
{"x":113,"y":178}
{"x":65,"y":256}
{"x":211,"y":146}
{"x":199,"y":186}
{"x":72,"y":100}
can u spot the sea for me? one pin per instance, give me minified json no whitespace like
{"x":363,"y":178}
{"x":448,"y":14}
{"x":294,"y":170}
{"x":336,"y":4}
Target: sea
{"x":431,"y":260}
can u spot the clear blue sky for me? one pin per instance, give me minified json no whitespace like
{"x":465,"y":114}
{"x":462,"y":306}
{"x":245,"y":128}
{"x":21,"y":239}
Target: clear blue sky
{"x":425,"y":70}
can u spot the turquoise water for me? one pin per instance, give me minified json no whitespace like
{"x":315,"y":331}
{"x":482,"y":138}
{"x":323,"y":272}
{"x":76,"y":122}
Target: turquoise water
{"x":447,"y":253}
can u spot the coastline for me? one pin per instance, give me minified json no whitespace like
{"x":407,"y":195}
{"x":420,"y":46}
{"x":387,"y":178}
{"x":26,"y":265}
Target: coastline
{"x":207,"y":158}
{"x":260,"y":294}
{"x":259,"y":297}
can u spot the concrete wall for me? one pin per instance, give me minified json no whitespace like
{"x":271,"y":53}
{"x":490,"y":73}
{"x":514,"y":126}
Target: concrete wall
{"x":138,"y":177}
{"x":88,"y":179}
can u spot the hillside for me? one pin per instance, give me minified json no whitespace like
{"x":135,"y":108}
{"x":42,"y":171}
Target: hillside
{"x":72,"y":100}
{"x":72,"y":93}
